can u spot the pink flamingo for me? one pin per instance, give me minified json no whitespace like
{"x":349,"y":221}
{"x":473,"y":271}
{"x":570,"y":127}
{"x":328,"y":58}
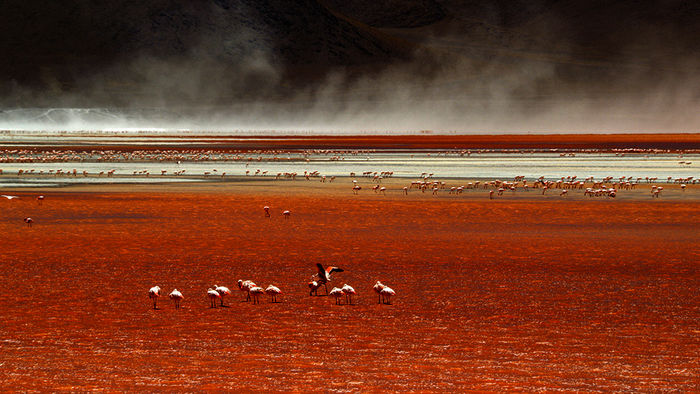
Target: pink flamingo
{"x":255,"y":292}
{"x":337,"y":293}
{"x":378,"y":287}
{"x":245,"y":286}
{"x":273,"y":292}
{"x":286,"y":214}
{"x":349,"y":292}
{"x":313,"y":287}
{"x":40,"y":199}
{"x":267,"y":211}
{"x":223,"y":292}
{"x":387,"y":293}
{"x":176,"y":296}
{"x":153,"y":294}
{"x":29,"y":221}
{"x":324,"y":275}
{"x":213,"y":295}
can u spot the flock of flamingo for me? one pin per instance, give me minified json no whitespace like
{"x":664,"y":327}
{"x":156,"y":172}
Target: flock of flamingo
{"x":253,"y":292}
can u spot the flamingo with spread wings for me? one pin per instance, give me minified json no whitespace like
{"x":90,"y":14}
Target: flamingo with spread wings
{"x":323,"y":276}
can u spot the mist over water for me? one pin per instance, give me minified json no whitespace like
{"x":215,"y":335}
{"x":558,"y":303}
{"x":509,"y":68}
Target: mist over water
{"x":228,"y":68}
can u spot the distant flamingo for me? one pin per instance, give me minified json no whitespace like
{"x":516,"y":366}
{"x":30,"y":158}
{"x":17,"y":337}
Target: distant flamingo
{"x":176,"y":296}
{"x":324,"y":275}
{"x":286,"y":214}
{"x":313,"y":287}
{"x":153,"y":294}
{"x":267,"y":211}
{"x":255,"y":292}
{"x":213,"y":295}
{"x":8,"y":197}
{"x":40,"y":199}
{"x":245,"y":286}
{"x":223,"y":292}
{"x":337,"y":293}
{"x":387,"y":293}
{"x":378,"y":287}
{"x":29,"y":221}
{"x":273,"y":292}
{"x":349,"y":292}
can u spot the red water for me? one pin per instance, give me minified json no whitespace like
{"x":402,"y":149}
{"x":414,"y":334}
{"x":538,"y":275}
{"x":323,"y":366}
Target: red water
{"x":491,"y":295}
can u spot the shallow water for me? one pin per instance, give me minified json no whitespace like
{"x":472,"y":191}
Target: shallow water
{"x":403,"y":164}
{"x":595,"y":295}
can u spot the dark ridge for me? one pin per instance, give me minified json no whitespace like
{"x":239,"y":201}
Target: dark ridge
{"x":125,"y":52}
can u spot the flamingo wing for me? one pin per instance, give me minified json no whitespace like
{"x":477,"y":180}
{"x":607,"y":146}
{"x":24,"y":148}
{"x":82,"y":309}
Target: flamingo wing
{"x":331,"y":270}
{"x":321,"y":271}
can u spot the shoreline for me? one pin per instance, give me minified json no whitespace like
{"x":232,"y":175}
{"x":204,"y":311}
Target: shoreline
{"x":341,"y":188}
{"x":609,"y":142}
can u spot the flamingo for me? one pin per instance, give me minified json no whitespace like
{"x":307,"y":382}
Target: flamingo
{"x":378,"y":287}
{"x":313,"y":287}
{"x":176,"y":296}
{"x":267,"y":211}
{"x":223,"y":292}
{"x":286,"y":214}
{"x":256,"y":292}
{"x":29,"y":221}
{"x":349,"y":292}
{"x":273,"y":292}
{"x":324,"y":275}
{"x":40,"y":199}
{"x":8,"y":197}
{"x":246,"y":285}
{"x":337,"y":293}
{"x":153,"y":294}
{"x":212,"y":295}
{"x":387,"y":293}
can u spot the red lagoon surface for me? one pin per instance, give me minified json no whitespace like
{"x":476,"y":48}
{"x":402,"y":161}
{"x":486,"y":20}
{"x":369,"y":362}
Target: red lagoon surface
{"x":491,"y":295}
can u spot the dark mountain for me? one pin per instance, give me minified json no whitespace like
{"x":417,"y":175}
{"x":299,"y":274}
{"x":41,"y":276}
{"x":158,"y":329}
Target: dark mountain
{"x":226,"y":50}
